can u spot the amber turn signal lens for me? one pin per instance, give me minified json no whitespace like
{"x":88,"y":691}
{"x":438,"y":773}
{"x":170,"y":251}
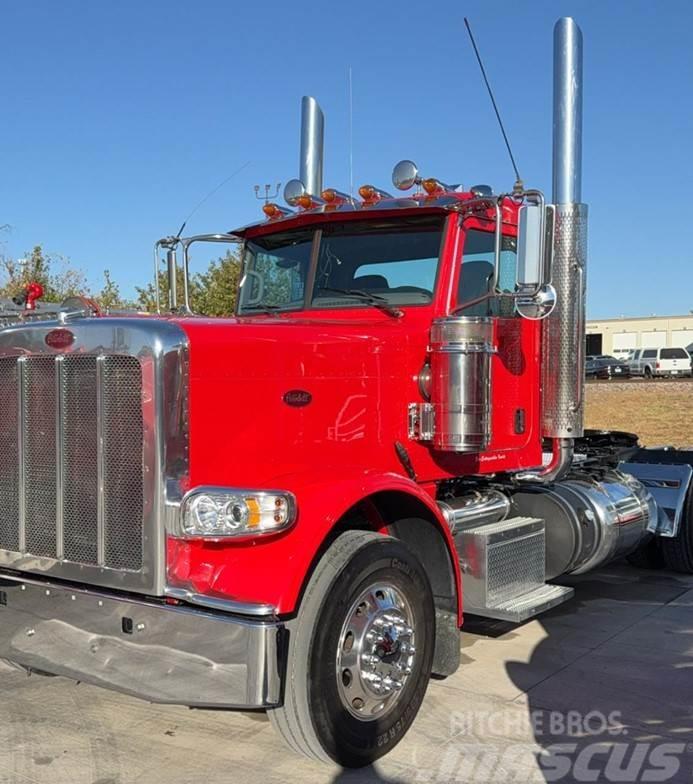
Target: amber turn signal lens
{"x":304,"y":201}
{"x":367,"y":192}
{"x":431,"y":185}
{"x":329,"y":195}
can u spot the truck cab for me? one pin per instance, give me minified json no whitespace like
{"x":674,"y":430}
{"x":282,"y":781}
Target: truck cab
{"x":291,"y":508}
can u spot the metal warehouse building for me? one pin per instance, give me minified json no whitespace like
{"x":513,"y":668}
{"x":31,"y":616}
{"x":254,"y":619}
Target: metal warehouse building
{"x":618,"y":335}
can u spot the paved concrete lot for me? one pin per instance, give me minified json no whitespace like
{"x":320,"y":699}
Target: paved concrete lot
{"x":601,"y":689}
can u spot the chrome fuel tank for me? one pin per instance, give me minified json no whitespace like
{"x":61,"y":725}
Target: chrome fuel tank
{"x":589,"y":522}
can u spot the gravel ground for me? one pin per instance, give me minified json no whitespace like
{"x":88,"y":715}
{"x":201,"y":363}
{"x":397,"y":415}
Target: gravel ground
{"x":659,"y":412}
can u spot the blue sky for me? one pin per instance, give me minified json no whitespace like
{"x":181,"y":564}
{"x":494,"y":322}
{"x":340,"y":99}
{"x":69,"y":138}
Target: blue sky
{"x":119,"y":117}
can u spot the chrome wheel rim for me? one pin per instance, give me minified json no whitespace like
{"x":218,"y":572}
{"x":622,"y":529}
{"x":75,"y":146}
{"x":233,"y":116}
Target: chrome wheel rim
{"x":376,"y":652}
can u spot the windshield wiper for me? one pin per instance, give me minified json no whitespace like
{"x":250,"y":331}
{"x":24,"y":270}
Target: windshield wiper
{"x":270,"y":310}
{"x":372,"y":299}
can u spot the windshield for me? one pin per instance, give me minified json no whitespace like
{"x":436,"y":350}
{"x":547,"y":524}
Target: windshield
{"x":353,"y":263}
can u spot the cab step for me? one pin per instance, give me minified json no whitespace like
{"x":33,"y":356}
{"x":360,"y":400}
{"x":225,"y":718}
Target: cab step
{"x":504,"y":570}
{"x":520,"y":609}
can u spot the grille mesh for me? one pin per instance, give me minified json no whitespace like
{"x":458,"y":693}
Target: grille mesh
{"x":9,"y":460}
{"x":122,"y":426}
{"x":39,"y":454}
{"x":80,"y":458}
{"x":85,"y":402}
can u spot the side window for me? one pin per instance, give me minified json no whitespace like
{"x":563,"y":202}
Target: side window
{"x":275,"y":269}
{"x":476,"y":274}
{"x":650,"y":353}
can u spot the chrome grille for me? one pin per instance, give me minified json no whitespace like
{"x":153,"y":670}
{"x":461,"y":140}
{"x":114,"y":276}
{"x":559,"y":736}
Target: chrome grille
{"x":71,"y":458}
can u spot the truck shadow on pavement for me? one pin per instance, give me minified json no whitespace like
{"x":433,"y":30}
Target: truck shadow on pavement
{"x":367,"y":775}
{"x":615,"y":704}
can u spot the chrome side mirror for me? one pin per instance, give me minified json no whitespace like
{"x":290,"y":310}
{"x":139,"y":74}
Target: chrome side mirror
{"x":537,"y":306}
{"x":535,"y":297}
{"x":531,"y":273}
{"x":405,"y":175}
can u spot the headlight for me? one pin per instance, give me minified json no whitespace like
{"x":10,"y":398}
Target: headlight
{"x":219,"y":512}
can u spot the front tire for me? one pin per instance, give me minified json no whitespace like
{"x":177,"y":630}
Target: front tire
{"x":360,"y":652}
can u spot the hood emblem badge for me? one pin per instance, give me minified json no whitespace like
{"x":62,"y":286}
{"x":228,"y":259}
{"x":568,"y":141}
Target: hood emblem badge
{"x":297,"y":398}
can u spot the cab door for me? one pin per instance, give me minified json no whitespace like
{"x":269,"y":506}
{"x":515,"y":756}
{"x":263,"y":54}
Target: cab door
{"x":515,"y":368}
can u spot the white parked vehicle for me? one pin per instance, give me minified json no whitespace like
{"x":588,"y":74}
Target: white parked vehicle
{"x":654,"y":362}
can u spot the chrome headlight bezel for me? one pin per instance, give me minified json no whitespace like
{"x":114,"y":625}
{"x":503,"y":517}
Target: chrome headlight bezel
{"x":241,"y":513}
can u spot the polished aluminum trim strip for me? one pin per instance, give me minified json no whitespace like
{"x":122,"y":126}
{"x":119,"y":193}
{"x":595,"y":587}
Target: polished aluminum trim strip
{"x":59,"y":461}
{"x":21,"y":484}
{"x":100,"y":471}
{"x":226,"y":605}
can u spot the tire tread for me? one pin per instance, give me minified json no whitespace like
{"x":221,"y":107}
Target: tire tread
{"x":292,"y":719}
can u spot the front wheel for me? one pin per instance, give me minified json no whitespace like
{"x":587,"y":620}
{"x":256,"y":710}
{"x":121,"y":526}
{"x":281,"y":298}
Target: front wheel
{"x":360,"y":652}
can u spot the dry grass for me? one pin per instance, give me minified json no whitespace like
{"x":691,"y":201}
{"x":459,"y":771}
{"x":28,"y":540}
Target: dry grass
{"x":659,"y":412}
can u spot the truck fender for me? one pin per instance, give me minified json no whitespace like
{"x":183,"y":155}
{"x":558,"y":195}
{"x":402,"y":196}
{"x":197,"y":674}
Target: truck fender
{"x":392,"y":504}
{"x":667,"y":481}
{"x":325,"y":505}
{"x":274,"y":570}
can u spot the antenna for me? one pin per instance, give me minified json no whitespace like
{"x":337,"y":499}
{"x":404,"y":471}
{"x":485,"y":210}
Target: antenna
{"x":518,"y":180}
{"x":210,"y":194}
{"x":351,"y":135}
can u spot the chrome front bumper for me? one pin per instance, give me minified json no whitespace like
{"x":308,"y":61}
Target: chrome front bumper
{"x":159,"y":652}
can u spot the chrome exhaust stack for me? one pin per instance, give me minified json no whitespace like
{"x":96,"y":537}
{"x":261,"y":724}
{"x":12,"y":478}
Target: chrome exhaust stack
{"x":563,"y":342}
{"x":312,"y":145}
{"x":564,"y":329}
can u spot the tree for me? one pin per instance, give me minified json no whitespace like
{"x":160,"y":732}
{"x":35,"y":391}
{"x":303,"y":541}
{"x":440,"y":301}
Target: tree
{"x":109,"y":297}
{"x":57,"y":285}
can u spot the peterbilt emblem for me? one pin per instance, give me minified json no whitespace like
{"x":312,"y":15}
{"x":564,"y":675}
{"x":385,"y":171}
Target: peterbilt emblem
{"x":59,"y":338}
{"x":297,"y":398}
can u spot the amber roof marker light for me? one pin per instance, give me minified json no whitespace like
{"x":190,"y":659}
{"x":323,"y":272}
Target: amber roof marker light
{"x":334,"y":198}
{"x":274,"y":211}
{"x":371,"y":195}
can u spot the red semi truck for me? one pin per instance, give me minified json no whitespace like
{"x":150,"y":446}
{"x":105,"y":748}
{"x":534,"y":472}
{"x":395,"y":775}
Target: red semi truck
{"x":290,"y":509}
